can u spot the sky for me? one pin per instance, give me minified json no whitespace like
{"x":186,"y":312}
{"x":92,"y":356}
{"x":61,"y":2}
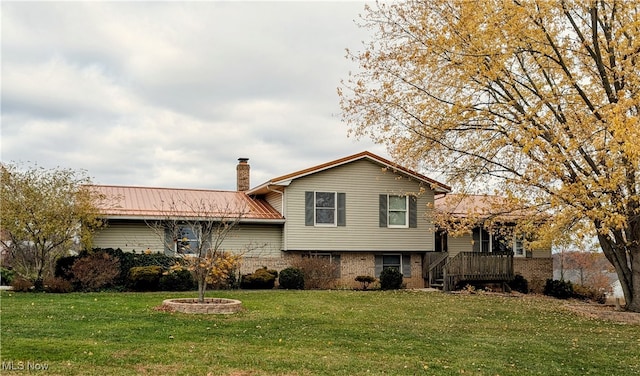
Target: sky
{"x":171,"y":94}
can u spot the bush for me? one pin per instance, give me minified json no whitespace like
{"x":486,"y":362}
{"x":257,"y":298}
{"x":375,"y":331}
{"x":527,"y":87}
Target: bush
{"x":6,"y":276}
{"x":21,"y":284}
{"x":57,"y":285}
{"x":589,"y":293}
{"x":520,"y":284}
{"x":291,"y":278}
{"x":130,"y":260}
{"x":390,"y":279}
{"x":319,"y":271}
{"x":260,"y":279}
{"x":179,"y":280}
{"x":145,"y":278}
{"x":558,"y":289}
{"x":95,"y":271}
{"x":366,"y":280}
{"x":64,"y":265}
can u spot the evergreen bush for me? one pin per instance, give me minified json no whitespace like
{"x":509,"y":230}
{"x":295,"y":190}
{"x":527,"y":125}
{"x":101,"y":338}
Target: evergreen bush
{"x":520,"y":284}
{"x":179,"y":280}
{"x":145,"y":278}
{"x":390,"y":279}
{"x":292,"y":279}
{"x":260,"y":279}
{"x":558,"y":289}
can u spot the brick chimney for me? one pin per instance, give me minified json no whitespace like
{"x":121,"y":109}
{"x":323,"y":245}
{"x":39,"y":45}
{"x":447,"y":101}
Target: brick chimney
{"x":243,"y":174}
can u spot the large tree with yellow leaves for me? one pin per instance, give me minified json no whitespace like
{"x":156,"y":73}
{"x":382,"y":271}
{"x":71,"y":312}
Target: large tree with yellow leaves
{"x":539,"y":100}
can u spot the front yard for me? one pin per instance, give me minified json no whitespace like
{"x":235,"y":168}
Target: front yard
{"x":311,"y":333}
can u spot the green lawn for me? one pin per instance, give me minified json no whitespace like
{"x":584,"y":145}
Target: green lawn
{"x":312,"y":333}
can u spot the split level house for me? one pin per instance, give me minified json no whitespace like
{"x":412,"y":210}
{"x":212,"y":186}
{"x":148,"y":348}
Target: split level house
{"x":362,"y":212}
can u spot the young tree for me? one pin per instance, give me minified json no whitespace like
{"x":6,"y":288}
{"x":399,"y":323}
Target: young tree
{"x":197,"y":228}
{"x":43,"y":214}
{"x":539,"y":100}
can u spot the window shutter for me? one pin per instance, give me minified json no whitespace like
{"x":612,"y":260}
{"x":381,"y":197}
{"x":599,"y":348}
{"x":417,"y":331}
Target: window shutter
{"x":406,"y":266}
{"x":342,"y":217}
{"x":383,"y":211}
{"x":378,"y":265}
{"x":413,"y":212}
{"x":308,"y":209}
{"x":168,"y":242}
{"x":335,"y":258}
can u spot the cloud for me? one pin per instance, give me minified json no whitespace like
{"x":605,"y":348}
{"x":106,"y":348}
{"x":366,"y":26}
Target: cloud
{"x":172,"y":93}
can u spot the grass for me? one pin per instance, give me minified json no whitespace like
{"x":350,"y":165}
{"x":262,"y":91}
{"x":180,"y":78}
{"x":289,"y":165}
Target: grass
{"x":312,"y":333}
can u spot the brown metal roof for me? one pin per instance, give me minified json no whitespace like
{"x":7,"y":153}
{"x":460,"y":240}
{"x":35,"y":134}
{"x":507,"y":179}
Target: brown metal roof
{"x":480,"y":206}
{"x":147,"y":202}
{"x":436,"y":185}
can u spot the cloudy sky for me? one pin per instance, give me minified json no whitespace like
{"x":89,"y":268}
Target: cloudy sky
{"x":172,"y":93}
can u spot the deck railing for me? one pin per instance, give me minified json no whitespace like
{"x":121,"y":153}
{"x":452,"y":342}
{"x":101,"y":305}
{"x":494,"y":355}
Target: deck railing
{"x":478,"y":267}
{"x":433,"y":265}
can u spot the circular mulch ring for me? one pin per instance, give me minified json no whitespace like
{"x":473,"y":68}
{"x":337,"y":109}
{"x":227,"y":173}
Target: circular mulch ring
{"x":218,"y":306}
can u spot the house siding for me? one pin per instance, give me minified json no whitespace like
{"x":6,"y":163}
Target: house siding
{"x":463,"y":243}
{"x":275,"y":200}
{"x":262,"y":241}
{"x":252,"y":240}
{"x":129,"y":236}
{"x":362,"y":182}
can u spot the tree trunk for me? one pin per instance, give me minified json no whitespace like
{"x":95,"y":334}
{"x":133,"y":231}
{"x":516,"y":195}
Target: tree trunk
{"x":202,"y":288}
{"x":625,"y":258}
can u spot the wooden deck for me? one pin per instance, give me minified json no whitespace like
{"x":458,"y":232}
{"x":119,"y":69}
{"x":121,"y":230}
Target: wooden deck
{"x":443,"y":272}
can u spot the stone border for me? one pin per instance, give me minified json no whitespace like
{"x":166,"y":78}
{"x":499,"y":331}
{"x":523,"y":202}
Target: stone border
{"x":210,"y":305}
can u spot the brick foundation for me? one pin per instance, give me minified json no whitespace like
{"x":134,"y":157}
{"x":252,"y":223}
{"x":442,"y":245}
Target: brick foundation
{"x":535,"y":270}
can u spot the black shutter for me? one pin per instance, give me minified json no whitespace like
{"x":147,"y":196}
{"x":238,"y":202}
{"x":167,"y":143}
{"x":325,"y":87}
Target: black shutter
{"x":378,"y":266}
{"x":342,"y":217}
{"x":309,"y":205}
{"x":406,"y":266}
{"x":169,"y":243}
{"x":413,"y":211}
{"x":383,"y":210}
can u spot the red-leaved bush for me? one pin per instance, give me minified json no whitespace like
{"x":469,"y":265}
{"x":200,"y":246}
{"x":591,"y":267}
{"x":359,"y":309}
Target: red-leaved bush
{"x":96,"y":271}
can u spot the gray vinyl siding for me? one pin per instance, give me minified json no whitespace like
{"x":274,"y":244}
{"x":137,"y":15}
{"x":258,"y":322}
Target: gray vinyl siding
{"x":275,"y":200}
{"x":129,"y":236}
{"x":362,"y":182}
{"x":463,"y":243}
{"x":255,"y":240}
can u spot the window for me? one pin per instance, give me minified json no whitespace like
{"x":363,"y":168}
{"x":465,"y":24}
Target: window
{"x":398,"y":211}
{"x":518,"y":246}
{"x":186,"y":241}
{"x":325,"y":209}
{"x":397,"y":261}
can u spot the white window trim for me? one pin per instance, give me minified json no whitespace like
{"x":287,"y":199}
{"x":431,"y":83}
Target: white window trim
{"x":515,"y":246}
{"x":335,"y":210}
{"x":406,"y":212}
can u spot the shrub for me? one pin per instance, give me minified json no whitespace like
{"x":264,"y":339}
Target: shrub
{"x":558,"y":289}
{"x":520,"y":284}
{"x":6,"y":276}
{"x":589,"y":293}
{"x":64,"y":265}
{"x":21,"y":284}
{"x":95,"y":271}
{"x":390,"y":279}
{"x":319,"y":271}
{"x":366,"y":280}
{"x":130,"y":260}
{"x":145,"y":278}
{"x":57,"y":285}
{"x":260,"y":279}
{"x":178,"y":280}
{"x":291,"y":278}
